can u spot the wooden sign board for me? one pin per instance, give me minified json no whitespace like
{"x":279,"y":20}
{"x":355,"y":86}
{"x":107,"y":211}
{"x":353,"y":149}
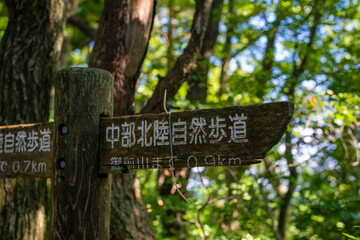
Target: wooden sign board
{"x":26,"y":150}
{"x":227,"y":136}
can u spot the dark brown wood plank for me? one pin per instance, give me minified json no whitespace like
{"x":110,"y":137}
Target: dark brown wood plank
{"x":227,"y":136}
{"x":80,"y":197}
{"x":26,"y":150}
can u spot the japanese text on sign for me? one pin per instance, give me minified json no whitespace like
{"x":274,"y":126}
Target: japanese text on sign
{"x":198,"y":131}
{"x":22,"y":141}
{"x":170,"y":162}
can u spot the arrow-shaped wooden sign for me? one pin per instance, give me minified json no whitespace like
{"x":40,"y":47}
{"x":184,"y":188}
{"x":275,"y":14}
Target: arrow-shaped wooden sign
{"x":227,"y":136}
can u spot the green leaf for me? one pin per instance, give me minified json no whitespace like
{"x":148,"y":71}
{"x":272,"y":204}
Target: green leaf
{"x":349,"y":236}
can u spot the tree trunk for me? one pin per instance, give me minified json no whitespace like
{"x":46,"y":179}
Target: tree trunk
{"x":170,"y":54}
{"x":224,"y":71}
{"x":198,"y":82}
{"x":293,"y":81}
{"x":28,"y":52}
{"x":227,"y":56}
{"x":172,"y":222}
{"x":185,"y":64}
{"x":285,"y":203}
{"x":120,"y":48}
{"x":265,"y":75}
{"x":197,"y":92}
{"x":267,"y":63}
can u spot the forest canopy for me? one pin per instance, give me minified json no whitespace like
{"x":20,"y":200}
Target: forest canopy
{"x":253,"y":51}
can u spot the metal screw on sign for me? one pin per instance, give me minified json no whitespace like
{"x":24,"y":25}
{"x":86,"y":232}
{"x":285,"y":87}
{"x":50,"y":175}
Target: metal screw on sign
{"x":61,"y":163}
{"x":63,"y":129}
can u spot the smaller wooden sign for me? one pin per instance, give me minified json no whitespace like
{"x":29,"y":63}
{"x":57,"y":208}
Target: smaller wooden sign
{"x":26,"y":150}
{"x":227,"y":136}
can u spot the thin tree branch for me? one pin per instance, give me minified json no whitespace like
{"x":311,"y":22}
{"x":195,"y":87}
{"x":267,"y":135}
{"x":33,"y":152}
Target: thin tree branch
{"x":299,"y":70}
{"x":198,"y":86}
{"x":186,"y":63}
{"x":203,"y":206}
{"x":83,"y":25}
{"x":227,"y":57}
{"x":284,"y":206}
{"x":354,"y":143}
{"x":251,"y":42}
{"x":270,"y":212}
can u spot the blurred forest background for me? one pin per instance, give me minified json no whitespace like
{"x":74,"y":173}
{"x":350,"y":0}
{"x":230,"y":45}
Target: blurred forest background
{"x":254,"y":51}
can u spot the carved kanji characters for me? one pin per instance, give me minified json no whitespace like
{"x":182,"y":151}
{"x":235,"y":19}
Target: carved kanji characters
{"x":112,"y":134}
{"x":179,"y":133}
{"x":20,"y":145}
{"x":127,"y":134}
{"x":161,"y":133}
{"x":217,"y":130}
{"x":9,"y":143}
{"x":198,"y":133}
{"x":32,"y":141}
{"x":45,"y":140}
{"x":238,"y":129}
{"x":144,"y":140}
{"x":115,"y":162}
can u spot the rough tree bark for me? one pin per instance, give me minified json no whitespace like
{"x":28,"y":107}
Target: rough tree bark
{"x":28,"y":52}
{"x":121,"y":45}
{"x":120,"y":48}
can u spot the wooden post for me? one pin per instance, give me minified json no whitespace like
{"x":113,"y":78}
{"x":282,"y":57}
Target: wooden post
{"x":80,"y":199}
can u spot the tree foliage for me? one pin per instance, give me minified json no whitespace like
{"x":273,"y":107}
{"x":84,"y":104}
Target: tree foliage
{"x":303,"y":51}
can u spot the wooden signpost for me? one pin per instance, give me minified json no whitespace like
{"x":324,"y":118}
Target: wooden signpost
{"x":85,"y":144}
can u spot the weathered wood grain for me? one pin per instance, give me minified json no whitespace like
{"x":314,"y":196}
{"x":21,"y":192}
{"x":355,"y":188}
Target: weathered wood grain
{"x":80,"y":198}
{"x":214,"y":137}
{"x":26,"y":150}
